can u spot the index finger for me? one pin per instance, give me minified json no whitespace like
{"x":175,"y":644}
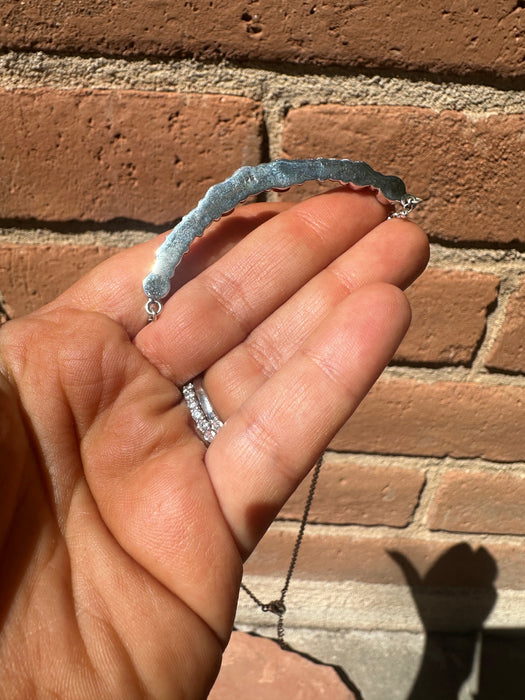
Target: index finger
{"x":216,"y":311}
{"x":114,"y":287}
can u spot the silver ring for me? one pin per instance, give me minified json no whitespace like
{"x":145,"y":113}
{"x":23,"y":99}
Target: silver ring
{"x":207,"y":422}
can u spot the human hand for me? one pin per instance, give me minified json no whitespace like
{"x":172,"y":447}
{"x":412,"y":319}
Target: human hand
{"x":122,"y":538}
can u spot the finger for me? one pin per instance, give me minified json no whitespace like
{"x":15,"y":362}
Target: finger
{"x":114,"y":287}
{"x":395,"y":252}
{"x":265,"y":449}
{"x":217,"y":310}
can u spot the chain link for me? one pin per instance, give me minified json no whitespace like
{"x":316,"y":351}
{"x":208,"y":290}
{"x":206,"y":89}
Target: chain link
{"x":278,"y":607}
{"x":408,"y":204}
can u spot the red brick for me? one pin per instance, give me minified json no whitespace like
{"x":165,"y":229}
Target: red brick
{"x":255,"y":667}
{"x":436,"y":36}
{"x":33,"y":275}
{"x":99,"y":155}
{"x":479,"y":502}
{"x":473,"y":188}
{"x":367,"y":558}
{"x":508,"y":352}
{"x":449,"y":313}
{"x":365,"y":495}
{"x":460,"y":419}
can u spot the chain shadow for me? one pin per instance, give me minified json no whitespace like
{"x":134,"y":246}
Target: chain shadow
{"x":453,"y":599}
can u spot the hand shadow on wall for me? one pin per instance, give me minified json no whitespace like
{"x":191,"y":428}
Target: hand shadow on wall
{"x":453,"y":599}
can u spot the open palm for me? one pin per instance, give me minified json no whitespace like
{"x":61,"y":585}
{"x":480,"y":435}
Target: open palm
{"x":122,"y":538}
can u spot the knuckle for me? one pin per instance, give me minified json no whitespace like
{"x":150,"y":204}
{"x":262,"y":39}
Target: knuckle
{"x":229,"y":297}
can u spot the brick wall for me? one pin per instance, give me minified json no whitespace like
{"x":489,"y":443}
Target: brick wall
{"x":116,"y":118}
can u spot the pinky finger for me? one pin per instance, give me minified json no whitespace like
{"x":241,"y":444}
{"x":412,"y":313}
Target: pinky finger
{"x":267,"y":447}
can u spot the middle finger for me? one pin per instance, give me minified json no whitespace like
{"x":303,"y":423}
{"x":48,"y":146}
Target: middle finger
{"x":394,"y":252}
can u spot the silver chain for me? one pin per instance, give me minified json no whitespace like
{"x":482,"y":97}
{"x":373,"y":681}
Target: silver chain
{"x":408,"y":204}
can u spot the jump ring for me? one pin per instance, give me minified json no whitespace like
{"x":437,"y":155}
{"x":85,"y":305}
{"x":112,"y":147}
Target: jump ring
{"x":153,"y":308}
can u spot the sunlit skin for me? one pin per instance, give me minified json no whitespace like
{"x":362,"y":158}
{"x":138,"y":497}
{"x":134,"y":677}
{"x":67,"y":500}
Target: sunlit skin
{"x":122,"y":538}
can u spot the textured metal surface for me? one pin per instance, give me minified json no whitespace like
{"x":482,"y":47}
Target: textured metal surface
{"x":253,"y":180}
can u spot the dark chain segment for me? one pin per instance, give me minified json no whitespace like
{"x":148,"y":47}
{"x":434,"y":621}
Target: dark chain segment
{"x":278,"y":607}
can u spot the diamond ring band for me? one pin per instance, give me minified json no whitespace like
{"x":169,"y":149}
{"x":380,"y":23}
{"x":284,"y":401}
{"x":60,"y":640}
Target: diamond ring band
{"x":207,"y":422}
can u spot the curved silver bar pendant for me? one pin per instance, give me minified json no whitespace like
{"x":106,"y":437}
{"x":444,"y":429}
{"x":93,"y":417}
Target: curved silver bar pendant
{"x":253,"y":180}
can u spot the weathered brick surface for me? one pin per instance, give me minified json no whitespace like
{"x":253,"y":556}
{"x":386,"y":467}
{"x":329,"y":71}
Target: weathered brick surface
{"x":101,"y":155}
{"x":467,"y":501}
{"x":365,"y":495}
{"x":255,"y":667}
{"x":441,"y":418}
{"x":508,"y":353}
{"x":342,"y":557}
{"x":449,"y":312}
{"x":482,"y":162}
{"x":33,"y":275}
{"x":435,"y":36}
